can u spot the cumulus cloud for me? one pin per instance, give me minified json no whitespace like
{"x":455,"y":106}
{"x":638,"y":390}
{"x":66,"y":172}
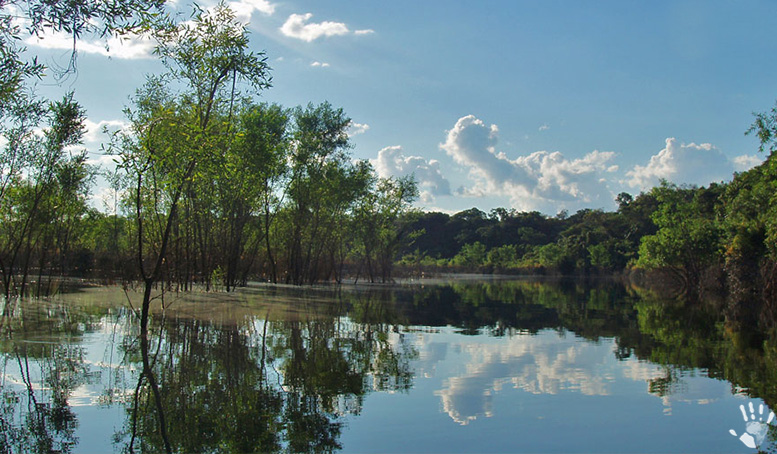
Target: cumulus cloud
{"x":97,"y":134}
{"x":126,"y":48}
{"x":297,"y":26}
{"x":541,"y":180}
{"x":392,"y":162}
{"x":354,"y":129}
{"x":244,"y":9}
{"x":318,"y":64}
{"x":544,"y":127}
{"x":367,"y":31}
{"x":682,"y":163}
{"x":95,"y":131}
{"x":746,"y":162}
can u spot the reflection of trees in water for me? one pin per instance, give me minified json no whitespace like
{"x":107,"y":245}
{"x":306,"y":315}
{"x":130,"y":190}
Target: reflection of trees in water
{"x":264,"y":385}
{"x":287,"y":384}
{"x":39,"y":417}
{"x":696,"y":335}
{"x":677,"y":334}
{"x":41,"y":420}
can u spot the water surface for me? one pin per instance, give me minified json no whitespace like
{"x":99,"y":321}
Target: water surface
{"x":472,"y":366}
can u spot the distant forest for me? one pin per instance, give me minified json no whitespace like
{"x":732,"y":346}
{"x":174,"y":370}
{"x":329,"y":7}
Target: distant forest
{"x":213,"y":188}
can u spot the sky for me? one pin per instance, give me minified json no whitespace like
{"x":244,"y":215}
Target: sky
{"x":532,"y":105}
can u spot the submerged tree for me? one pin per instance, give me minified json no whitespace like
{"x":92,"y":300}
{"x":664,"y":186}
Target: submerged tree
{"x":323,"y":185}
{"x":253,"y":193}
{"x":382,"y":221}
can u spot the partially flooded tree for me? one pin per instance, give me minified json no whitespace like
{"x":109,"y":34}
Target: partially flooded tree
{"x":42,"y":187}
{"x":688,"y":239}
{"x":257,"y":188}
{"x":42,"y":191}
{"x":177,"y":135}
{"x":382,"y":224}
{"x":178,"y":123}
{"x":320,"y":188}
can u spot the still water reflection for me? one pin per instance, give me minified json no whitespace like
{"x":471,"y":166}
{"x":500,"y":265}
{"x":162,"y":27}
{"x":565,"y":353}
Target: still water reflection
{"x":477,"y":366}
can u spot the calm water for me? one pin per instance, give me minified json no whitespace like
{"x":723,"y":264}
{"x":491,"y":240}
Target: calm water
{"x":476,"y":366}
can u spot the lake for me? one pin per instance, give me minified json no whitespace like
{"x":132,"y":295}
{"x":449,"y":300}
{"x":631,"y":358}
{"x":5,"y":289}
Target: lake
{"x":467,"y":365}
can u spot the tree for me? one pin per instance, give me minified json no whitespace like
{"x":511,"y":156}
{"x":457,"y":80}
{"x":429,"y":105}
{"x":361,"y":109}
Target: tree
{"x":77,"y":18}
{"x":43,"y":187}
{"x":383,"y":222}
{"x":471,"y":256}
{"x":261,"y":155}
{"x":688,"y":238}
{"x":175,"y":137}
{"x":319,"y":188}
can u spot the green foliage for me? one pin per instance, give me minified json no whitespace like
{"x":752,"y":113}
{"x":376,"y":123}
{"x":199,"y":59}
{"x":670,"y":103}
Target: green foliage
{"x":551,"y":255}
{"x":503,"y":257}
{"x":471,"y":256}
{"x":688,"y":239}
{"x":42,"y":195}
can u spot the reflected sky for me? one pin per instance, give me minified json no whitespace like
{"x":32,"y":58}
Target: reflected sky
{"x":549,"y":362}
{"x":381,"y":386}
{"x":563,"y":392}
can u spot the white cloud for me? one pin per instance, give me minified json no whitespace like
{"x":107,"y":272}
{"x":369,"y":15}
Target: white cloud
{"x":297,"y":26}
{"x":364,"y":32}
{"x":392,"y":162}
{"x":544,"y":127}
{"x":105,"y":199}
{"x":542,"y":180}
{"x":746,"y":162}
{"x":318,"y":64}
{"x":244,"y":9}
{"x":95,"y":132}
{"x":95,"y":136}
{"x":680,"y":163}
{"x":354,"y":129}
{"x":126,"y":48}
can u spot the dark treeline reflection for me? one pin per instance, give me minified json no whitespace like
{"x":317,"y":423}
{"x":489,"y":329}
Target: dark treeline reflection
{"x":286,"y":367}
{"x":263,"y":385}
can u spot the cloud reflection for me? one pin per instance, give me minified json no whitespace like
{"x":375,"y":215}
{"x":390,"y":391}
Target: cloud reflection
{"x":546,"y":363}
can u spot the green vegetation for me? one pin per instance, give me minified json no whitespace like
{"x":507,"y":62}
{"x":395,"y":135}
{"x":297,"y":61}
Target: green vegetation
{"x":720,"y":236}
{"x":211,"y":187}
{"x":214,"y":188}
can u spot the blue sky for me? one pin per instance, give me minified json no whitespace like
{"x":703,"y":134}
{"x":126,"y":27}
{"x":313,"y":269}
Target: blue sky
{"x":534,"y":105}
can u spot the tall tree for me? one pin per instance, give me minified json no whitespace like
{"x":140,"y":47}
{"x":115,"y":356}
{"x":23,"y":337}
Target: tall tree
{"x":319,"y":163}
{"x":176,"y":134}
{"x":256,"y":187}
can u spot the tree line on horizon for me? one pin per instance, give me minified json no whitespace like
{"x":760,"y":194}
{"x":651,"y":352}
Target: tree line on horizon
{"x":717,"y":237}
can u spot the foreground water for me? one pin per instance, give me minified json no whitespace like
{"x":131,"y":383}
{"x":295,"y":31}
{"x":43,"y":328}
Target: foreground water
{"x":476,"y":366}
